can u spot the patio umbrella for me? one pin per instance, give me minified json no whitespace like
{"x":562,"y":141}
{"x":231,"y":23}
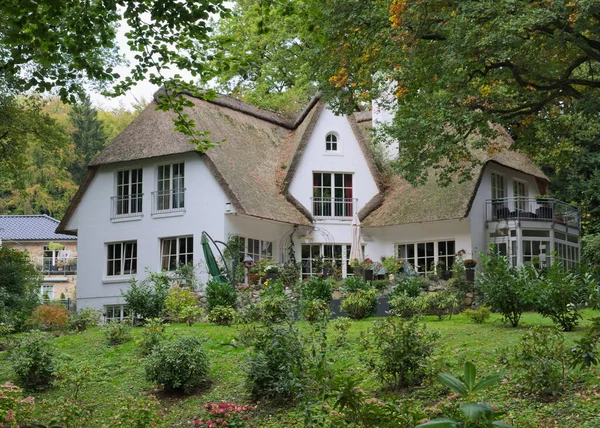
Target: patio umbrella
{"x":355,"y":250}
{"x":211,"y":262}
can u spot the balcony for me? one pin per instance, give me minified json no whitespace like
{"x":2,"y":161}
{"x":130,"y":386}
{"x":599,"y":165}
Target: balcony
{"x":533,"y":209}
{"x":126,"y":206}
{"x":168,"y":201}
{"x":333,"y":208}
{"x":57,"y":265}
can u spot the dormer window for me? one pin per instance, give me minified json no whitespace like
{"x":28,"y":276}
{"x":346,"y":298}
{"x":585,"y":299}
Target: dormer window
{"x":331,"y":142}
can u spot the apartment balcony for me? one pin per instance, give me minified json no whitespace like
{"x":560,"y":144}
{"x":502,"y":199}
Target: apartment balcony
{"x":168,"y":201}
{"x":538,"y":210}
{"x":126,"y":206}
{"x":333,"y":208}
{"x":57,"y":265}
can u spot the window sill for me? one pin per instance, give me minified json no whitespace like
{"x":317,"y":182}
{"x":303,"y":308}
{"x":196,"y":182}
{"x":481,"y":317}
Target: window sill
{"x":333,"y":154}
{"x":116,"y":279}
{"x":130,"y":218}
{"x":168,"y":214}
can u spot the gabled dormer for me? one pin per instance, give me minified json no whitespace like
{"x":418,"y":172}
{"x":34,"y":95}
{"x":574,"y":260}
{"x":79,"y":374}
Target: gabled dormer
{"x":333,"y":175}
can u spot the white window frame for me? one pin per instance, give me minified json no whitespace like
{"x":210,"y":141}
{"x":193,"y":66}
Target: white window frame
{"x":342,"y":263}
{"x":332,"y":206}
{"x":49,"y":289}
{"x":520,"y":199}
{"x":256,"y":248}
{"x":435,"y":255}
{"x":129,"y":196}
{"x":121,"y":258}
{"x":122,"y":310}
{"x":180,"y":257}
{"x":332,"y":143}
{"x":498,"y":192}
{"x":170,"y":189}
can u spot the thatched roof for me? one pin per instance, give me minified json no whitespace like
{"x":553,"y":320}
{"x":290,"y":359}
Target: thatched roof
{"x":404,"y":204}
{"x":260,"y":152}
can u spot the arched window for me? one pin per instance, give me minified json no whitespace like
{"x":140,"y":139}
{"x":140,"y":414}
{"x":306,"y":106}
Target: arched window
{"x":331,"y":143}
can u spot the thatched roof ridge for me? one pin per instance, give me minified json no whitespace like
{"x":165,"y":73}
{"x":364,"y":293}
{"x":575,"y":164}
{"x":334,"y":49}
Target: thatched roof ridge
{"x":363,"y":116}
{"x":404,"y":204}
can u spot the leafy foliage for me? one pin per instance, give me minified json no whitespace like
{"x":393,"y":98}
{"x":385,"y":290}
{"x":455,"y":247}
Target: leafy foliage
{"x":179,"y":364}
{"x":222,"y":315}
{"x":506,"y":290}
{"x":411,"y":285}
{"x":153,"y":334}
{"x":19,"y":285}
{"x":220,"y":294}
{"x":584,"y":353}
{"x":339,"y":331}
{"x":479,"y":315}
{"x":316,"y":288}
{"x":49,"y":318}
{"x":138,"y":412}
{"x":405,"y":306}
{"x":82,"y":320}
{"x":147,"y":298}
{"x":14,"y":409}
{"x":116,"y":332}
{"x":182,"y":305}
{"x":400,"y":351}
{"x":441,"y":303}
{"x":316,"y":310}
{"x":34,"y":361}
{"x":360,"y":304}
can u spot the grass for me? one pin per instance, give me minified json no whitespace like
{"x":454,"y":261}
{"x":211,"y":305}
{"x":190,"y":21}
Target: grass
{"x":118,"y":371}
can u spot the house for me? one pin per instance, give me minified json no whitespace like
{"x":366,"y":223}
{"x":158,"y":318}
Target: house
{"x":292,"y":184}
{"x":53,"y":254}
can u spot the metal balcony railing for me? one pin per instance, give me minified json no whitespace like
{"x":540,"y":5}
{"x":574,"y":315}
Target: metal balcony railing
{"x":333,"y":208}
{"x":538,"y":209}
{"x":168,"y":201}
{"x":57,"y":265}
{"x":126,"y":206}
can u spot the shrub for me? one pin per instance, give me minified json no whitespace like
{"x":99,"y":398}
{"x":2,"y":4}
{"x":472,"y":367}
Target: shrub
{"x":154,"y":333}
{"x":137,"y":412}
{"x":14,"y":409}
{"x":275,"y":306}
{"x":316,"y":288}
{"x":360,"y":304}
{"x":399,"y":351}
{"x":404,"y":306}
{"x":478,"y":316}
{"x":541,"y":361}
{"x":84,"y":319}
{"x":180,"y":364}
{"x":584,"y":352}
{"x":49,"y":318}
{"x":315,"y":310}
{"x":182,"y":305}
{"x":275,"y":365}
{"x":506,"y":290}
{"x":411,"y":285}
{"x":222,"y":315}
{"x":339,"y":328}
{"x":560,"y":294}
{"x":441,"y":303}
{"x":116,"y":332}
{"x":352,"y":284}
{"x":220,"y":294}
{"x":147,"y":298}
{"x":33,"y":361}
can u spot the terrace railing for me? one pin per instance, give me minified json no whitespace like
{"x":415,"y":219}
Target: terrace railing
{"x":126,"y":206}
{"x":536,"y":209}
{"x":333,"y":208}
{"x":58,"y":265}
{"x":168,"y":201}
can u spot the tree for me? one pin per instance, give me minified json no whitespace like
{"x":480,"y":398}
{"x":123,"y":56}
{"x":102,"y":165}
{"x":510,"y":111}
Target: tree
{"x":88,"y":135}
{"x":61,"y":46}
{"x":19,"y":287}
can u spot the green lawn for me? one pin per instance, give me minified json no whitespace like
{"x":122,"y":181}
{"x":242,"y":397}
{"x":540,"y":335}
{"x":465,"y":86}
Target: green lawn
{"x":118,"y":371}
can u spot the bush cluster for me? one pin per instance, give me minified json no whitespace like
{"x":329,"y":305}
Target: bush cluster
{"x":219,"y":293}
{"x":83,"y":319}
{"x":153,"y":334}
{"x":49,"y":318}
{"x":360,"y":304}
{"x":116,"y":332}
{"x":222,"y":315}
{"x":182,"y":305}
{"x":479,"y":315}
{"x":34,"y":360}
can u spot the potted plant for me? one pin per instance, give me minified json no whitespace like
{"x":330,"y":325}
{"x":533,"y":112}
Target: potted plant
{"x":272,"y":271}
{"x":470,"y":269}
{"x":367,"y":269}
{"x":355,"y":265}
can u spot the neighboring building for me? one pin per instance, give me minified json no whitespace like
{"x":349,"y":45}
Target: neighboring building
{"x":53,"y":254}
{"x":282,"y":184}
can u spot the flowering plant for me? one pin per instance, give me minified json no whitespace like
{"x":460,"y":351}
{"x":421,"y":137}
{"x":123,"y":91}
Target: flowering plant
{"x":223,"y":415}
{"x":354,"y":263}
{"x":366,"y":264}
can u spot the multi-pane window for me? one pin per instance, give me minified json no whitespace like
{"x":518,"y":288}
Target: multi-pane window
{"x":331,"y":143}
{"x":47,"y":291}
{"x":317,"y":256}
{"x":170,"y":193}
{"x":175,"y":252}
{"x":422,"y":256}
{"x":567,"y":249}
{"x":115,"y":313}
{"x":255,"y":248}
{"x":520,"y":193}
{"x":332,"y":195}
{"x":129,"y":192}
{"x":498,"y":186}
{"x":121,"y":258}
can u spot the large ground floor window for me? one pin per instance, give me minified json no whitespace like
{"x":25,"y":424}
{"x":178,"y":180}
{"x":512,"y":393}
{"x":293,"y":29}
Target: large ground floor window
{"x":255,"y":248}
{"x":176,"y":251}
{"x":427,"y":257}
{"x":333,"y":257}
{"x":115,"y":313}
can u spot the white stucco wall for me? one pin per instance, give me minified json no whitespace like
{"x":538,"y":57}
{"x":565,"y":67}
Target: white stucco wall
{"x":350,"y":159}
{"x":204,"y":210}
{"x":484,"y":192}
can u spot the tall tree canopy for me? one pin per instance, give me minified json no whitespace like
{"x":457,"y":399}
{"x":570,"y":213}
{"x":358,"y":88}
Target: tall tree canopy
{"x":457,"y":66}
